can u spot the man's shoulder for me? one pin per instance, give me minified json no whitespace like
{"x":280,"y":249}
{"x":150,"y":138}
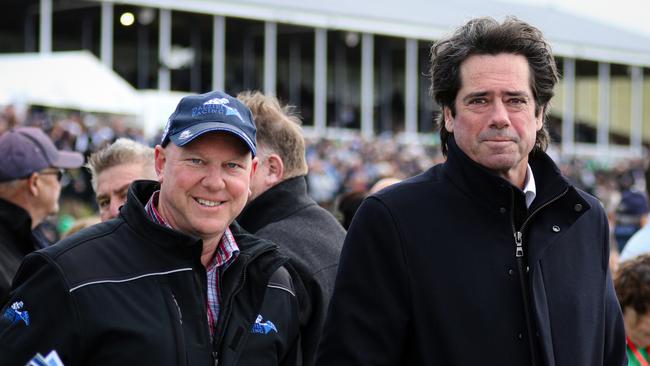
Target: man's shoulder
{"x":79,"y":242}
{"x":430,"y":183}
{"x":108,"y":250}
{"x":595,"y":203}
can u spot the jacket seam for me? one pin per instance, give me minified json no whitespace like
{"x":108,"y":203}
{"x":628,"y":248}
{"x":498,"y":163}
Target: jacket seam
{"x":334,"y":265}
{"x":280,"y":287}
{"x":130,"y":278}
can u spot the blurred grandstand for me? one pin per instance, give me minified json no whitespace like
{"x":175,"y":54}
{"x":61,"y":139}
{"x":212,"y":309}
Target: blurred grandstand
{"x":90,"y":71}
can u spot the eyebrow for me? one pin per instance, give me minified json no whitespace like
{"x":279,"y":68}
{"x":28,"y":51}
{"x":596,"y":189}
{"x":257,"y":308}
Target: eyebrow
{"x":122,"y":188}
{"x":118,"y":190}
{"x":515,"y":93}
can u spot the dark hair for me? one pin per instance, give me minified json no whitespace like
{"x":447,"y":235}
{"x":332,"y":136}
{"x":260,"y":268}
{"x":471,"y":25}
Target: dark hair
{"x":486,"y":36}
{"x":632,"y":284}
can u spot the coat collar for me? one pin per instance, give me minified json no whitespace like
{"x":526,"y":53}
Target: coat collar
{"x":489,"y":188}
{"x":278,"y":202}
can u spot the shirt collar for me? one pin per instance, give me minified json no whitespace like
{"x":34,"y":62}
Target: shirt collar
{"x":530,"y":189}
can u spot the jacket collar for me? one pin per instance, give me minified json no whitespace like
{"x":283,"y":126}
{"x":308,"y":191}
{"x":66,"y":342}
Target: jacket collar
{"x":278,"y":202}
{"x":489,"y":188}
{"x":17,"y":222}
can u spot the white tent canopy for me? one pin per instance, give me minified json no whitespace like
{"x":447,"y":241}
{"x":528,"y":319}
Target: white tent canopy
{"x":75,"y":80}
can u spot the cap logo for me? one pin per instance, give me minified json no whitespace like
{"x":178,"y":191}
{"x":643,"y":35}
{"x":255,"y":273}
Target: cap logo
{"x":216,"y":106}
{"x":185,"y":135}
{"x":221,"y":101}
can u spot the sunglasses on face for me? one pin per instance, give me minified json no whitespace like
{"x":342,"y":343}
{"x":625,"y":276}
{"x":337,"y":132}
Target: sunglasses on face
{"x":57,"y":172}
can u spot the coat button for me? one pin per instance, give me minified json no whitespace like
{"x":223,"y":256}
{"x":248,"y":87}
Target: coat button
{"x":556,"y":229}
{"x":577,"y":207}
{"x":520,"y":336}
{"x":502,"y":210}
{"x":510,"y":272}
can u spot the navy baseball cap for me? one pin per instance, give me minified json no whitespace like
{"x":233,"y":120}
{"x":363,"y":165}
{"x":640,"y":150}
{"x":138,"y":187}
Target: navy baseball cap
{"x":210,"y":112}
{"x":26,"y":150}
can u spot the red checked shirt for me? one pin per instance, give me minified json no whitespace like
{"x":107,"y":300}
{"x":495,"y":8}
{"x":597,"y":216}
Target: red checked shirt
{"x":224,"y":255}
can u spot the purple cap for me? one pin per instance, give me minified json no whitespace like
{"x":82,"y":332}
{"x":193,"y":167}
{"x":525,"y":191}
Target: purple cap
{"x":26,"y":150}
{"x":210,"y":112}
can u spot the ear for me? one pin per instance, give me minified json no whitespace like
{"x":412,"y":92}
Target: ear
{"x":159,"y":161}
{"x":275,"y":169}
{"x":32,"y":184}
{"x":539,"y":119}
{"x":449,"y":119}
{"x":254,"y":166}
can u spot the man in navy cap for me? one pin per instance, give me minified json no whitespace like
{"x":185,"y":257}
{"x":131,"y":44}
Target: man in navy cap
{"x":173,"y":280}
{"x":30,"y":171}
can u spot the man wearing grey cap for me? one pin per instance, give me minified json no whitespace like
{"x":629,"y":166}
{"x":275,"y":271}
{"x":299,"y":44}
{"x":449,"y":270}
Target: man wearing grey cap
{"x":30,"y":171}
{"x":173,"y":280}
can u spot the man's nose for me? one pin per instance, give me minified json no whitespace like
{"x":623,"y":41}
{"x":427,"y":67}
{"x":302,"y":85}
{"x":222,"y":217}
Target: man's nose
{"x":500,"y":117}
{"x":214,"y":179}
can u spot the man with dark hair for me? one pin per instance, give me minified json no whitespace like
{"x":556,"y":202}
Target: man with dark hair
{"x":492,"y":257}
{"x":173,"y":280}
{"x":30,"y":186}
{"x":280,"y":210}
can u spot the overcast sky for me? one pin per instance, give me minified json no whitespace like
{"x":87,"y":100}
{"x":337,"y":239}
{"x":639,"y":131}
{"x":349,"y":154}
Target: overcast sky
{"x":627,"y":14}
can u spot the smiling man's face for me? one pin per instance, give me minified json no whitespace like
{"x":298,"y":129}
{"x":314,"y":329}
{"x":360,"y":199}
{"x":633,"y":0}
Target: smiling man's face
{"x":205,"y":184}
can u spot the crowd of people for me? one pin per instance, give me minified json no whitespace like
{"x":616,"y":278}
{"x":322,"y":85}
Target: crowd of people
{"x":341,"y":171}
{"x":231,"y":238}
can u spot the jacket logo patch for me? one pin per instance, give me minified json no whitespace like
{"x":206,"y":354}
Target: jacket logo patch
{"x":263,"y":327}
{"x":14,"y":313}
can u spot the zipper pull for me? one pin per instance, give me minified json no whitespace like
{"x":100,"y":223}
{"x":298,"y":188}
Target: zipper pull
{"x":519,"y":251}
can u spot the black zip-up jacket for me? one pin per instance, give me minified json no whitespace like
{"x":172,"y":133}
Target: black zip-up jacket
{"x":131,"y":292}
{"x":16,"y":241}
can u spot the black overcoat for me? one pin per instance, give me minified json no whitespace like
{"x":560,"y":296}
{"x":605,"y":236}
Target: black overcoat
{"x":428,"y":275}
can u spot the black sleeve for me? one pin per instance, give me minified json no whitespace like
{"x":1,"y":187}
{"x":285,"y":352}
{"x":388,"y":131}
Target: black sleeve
{"x":368,"y":316}
{"x":39,"y":316}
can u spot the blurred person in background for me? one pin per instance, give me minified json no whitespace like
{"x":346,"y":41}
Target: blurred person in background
{"x":30,"y":174}
{"x":492,"y":257}
{"x":632,"y":210}
{"x":632,"y":283}
{"x":383,"y":183}
{"x":347,"y":205}
{"x":173,"y":280}
{"x":280,"y":210}
{"x":639,"y":243}
{"x":81,"y":224}
{"x":113,"y":169}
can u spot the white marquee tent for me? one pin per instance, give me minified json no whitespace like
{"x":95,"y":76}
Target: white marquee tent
{"x":75,"y":80}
